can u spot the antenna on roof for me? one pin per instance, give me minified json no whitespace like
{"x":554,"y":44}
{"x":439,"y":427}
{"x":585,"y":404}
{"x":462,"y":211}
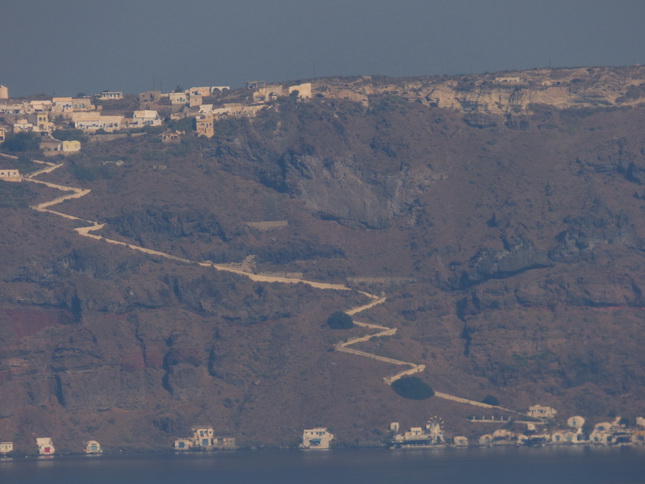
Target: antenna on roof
{"x":549,"y":56}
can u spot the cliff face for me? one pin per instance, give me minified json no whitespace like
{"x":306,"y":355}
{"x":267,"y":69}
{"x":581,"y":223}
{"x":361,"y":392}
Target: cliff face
{"x":510,"y":250}
{"x":505,"y":93}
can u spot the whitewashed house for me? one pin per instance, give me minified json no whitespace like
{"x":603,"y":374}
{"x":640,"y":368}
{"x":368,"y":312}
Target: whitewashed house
{"x":13,"y":108}
{"x":144,"y":118}
{"x":564,"y":437}
{"x":460,"y":441}
{"x":183,"y":444}
{"x":22,"y":126}
{"x":93,"y":447}
{"x":178,"y":98}
{"x":432,"y":434}
{"x":204,"y":437}
{"x":316,"y":439}
{"x":10,"y":174}
{"x":45,"y":446}
{"x":304,"y":90}
{"x":538,"y":411}
{"x":110,"y":95}
{"x":6,"y":448}
{"x":486,"y":439}
{"x":576,"y":422}
{"x":92,"y":121}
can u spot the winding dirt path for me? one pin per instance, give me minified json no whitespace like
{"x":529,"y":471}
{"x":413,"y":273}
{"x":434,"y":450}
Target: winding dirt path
{"x":343,"y":347}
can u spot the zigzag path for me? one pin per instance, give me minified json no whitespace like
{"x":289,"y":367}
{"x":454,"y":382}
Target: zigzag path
{"x":343,"y":347}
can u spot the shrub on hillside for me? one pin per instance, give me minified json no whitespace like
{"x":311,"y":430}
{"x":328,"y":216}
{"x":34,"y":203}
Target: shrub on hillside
{"x":412,"y":388}
{"x":15,"y":195}
{"x":22,"y":142}
{"x":490,"y":400}
{"x":70,"y":134}
{"x":340,"y":320}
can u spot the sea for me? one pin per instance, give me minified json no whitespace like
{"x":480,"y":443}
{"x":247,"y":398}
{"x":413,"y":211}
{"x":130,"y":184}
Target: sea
{"x":500,"y":465}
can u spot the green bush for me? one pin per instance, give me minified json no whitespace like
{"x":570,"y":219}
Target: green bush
{"x":490,"y":400}
{"x":22,"y":142}
{"x":340,"y":320}
{"x":25,"y":165}
{"x":413,"y":388}
{"x":69,"y":135}
{"x":184,"y":124}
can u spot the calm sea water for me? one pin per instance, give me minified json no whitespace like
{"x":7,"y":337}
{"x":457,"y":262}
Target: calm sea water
{"x":455,"y":466}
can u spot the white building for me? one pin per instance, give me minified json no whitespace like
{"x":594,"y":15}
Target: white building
{"x":4,"y":92}
{"x":207,"y":90}
{"x":144,"y":118}
{"x":183,"y":444}
{"x":178,"y":98}
{"x":565,"y":437}
{"x":204,"y":439}
{"x":460,"y":441}
{"x":600,"y":437}
{"x":92,"y":121}
{"x":6,"y":447}
{"x":45,"y":446}
{"x":93,"y":447}
{"x":576,"y":422}
{"x":23,"y":126}
{"x":486,"y":439}
{"x":110,"y":95}
{"x":538,"y":411}
{"x":10,"y":174}
{"x":39,"y":106}
{"x":316,"y":439}
{"x":432,"y":434}
{"x":69,"y":104}
{"x":14,"y":108}
{"x":304,"y":90}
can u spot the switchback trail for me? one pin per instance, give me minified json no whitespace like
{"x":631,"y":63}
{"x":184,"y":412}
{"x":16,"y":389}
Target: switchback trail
{"x":343,"y":347}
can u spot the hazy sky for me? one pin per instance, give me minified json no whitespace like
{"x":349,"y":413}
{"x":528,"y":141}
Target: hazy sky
{"x":71,"y":46}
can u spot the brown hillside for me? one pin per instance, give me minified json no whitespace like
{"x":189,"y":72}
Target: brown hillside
{"x":511,"y":250}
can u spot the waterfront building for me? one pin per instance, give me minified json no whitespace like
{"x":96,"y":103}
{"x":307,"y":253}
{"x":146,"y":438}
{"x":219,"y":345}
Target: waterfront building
{"x":93,"y":447}
{"x":204,"y":438}
{"x":6,"y":448}
{"x":460,"y":441}
{"x":316,"y":439}
{"x":432,"y":434}
{"x":45,"y":446}
{"x":183,"y":444}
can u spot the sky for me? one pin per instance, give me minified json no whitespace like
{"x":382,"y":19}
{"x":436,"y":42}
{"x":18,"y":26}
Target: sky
{"x":72,"y":46}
